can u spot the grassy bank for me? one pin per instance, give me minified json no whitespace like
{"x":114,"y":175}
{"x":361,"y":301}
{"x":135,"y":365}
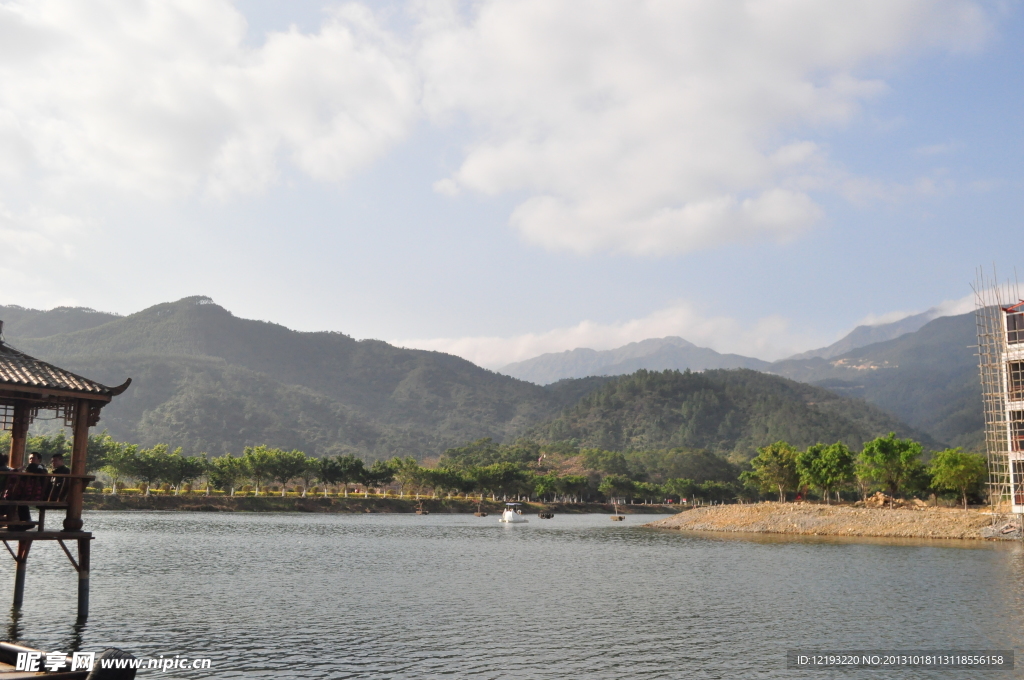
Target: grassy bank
{"x":825,"y":520}
{"x":200,"y":503}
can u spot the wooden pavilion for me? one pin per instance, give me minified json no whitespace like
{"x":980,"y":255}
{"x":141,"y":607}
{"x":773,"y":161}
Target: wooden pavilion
{"x":28,"y":386}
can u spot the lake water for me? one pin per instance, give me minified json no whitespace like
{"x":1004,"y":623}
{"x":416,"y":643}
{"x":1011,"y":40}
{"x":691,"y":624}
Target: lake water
{"x":455,"y":596}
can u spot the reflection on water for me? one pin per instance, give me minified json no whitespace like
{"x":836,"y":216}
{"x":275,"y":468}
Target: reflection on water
{"x":406,"y":596}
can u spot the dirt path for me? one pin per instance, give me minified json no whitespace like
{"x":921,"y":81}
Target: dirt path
{"x":823,"y":520}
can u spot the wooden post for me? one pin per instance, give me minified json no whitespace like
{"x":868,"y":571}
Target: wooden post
{"x":19,"y":574}
{"x":83,"y":579}
{"x":79,"y":447}
{"x":19,"y":435}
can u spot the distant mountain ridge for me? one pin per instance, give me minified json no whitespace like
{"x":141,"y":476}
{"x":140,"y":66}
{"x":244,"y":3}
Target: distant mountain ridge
{"x":655,"y":354}
{"x":658,"y":354}
{"x":922,"y":369}
{"x":729,"y":412}
{"x":868,"y":335}
{"x":211,"y":382}
{"x":927,"y":378}
{"x":23,"y":322}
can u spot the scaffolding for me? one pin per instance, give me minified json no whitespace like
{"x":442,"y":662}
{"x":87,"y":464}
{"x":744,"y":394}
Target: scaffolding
{"x":999,"y":313}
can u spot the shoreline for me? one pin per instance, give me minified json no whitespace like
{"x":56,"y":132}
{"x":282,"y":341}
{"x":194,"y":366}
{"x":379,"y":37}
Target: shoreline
{"x":350,"y":505}
{"x":806,"y":519}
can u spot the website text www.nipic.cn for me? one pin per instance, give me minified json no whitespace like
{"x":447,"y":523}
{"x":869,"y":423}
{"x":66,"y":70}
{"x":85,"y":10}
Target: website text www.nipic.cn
{"x":86,"y":661}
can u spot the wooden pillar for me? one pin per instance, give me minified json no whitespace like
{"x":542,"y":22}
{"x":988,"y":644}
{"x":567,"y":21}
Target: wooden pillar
{"x":83,"y":579}
{"x":19,"y":575}
{"x":79,"y":446}
{"x":19,"y":434}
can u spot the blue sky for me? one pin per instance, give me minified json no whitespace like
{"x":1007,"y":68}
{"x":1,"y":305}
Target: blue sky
{"x":503,"y":179}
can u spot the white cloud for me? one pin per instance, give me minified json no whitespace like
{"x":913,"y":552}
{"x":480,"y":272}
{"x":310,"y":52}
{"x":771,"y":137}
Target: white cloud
{"x":769,"y":337}
{"x":658,"y":127}
{"x":944,"y":308}
{"x":954,"y":307}
{"x":37,"y":234}
{"x":167,"y":99}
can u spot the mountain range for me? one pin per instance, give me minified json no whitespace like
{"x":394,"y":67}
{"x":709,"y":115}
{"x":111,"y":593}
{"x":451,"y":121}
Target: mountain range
{"x":208,"y":381}
{"x":729,"y":412}
{"x":921,"y":369}
{"x":676,"y":353}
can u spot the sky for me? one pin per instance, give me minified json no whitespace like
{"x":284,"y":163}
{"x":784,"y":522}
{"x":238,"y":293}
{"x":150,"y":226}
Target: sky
{"x":502,"y":179}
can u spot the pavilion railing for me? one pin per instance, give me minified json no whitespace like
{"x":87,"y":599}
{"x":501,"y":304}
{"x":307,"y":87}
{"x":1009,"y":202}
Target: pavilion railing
{"x":38,"y":490}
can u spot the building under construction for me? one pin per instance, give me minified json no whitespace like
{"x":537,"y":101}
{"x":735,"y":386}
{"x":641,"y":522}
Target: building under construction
{"x":1000,"y":318}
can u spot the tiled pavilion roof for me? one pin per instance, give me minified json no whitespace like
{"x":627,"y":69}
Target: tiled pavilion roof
{"x":18,"y":369}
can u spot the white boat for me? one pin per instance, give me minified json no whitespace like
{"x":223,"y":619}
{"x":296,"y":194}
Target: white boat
{"x":513,"y":514}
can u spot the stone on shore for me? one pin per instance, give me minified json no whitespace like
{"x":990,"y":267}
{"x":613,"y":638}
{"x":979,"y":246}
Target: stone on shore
{"x":910,"y":521}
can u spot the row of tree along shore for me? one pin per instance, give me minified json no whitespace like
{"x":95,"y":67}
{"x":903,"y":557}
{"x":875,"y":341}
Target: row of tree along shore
{"x":524,"y":470}
{"x":891,"y":464}
{"x":355,"y":504}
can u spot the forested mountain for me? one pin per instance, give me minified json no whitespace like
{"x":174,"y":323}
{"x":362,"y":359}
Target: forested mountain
{"x":862,"y":336}
{"x":21,"y":322}
{"x":729,"y":412}
{"x":209,"y":381}
{"x":928,"y":378}
{"x":656,"y":354}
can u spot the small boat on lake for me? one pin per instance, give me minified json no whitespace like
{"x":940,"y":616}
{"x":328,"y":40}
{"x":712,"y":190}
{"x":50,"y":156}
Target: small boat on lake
{"x":420,"y":510}
{"x":479,"y":511}
{"x":617,"y":517}
{"x":545,"y":515}
{"x":513,"y":514}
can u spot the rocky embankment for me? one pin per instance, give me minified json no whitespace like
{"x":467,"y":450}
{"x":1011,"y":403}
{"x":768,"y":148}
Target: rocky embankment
{"x":913,"y":521}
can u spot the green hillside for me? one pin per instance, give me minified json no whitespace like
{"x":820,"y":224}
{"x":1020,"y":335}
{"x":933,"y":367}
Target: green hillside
{"x":210,"y":381}
{"x":22,"y":322}
{"x":928,"y":378}
{"x":729,"y":412}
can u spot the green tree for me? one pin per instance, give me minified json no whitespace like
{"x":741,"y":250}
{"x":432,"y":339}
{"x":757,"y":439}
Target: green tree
{"x":100,"y":446}
{"x":546,"y":485}
{"x":774,"y":469}
{"x":614,"y":486}
{"x":574,"y":486}
{"x":310,"y":473}
{"x":466,"y":480}
{"x":351,"y":470}
{"x":286,"y":465}
{"x":648,"y":491}
{"x":226,"y":471}
{"x":153,"y":465}
{"x":258,"y":460}
{"x":182,"y":469}
{"x":409,"y":474}
{"x":608,"y":462}
{"x":507,"y":477}
{"x":826,"y":468}
{"x":379,"y":475}
{"x":119,"y":463}
{"x":329,"y":471}
{"x":955,"y":470}
{"x":890,"y":462}
{"x":719,"y":492}
{"x":680,"y":488}
{"x":447,"y":479}
{"x":47,"y":445}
